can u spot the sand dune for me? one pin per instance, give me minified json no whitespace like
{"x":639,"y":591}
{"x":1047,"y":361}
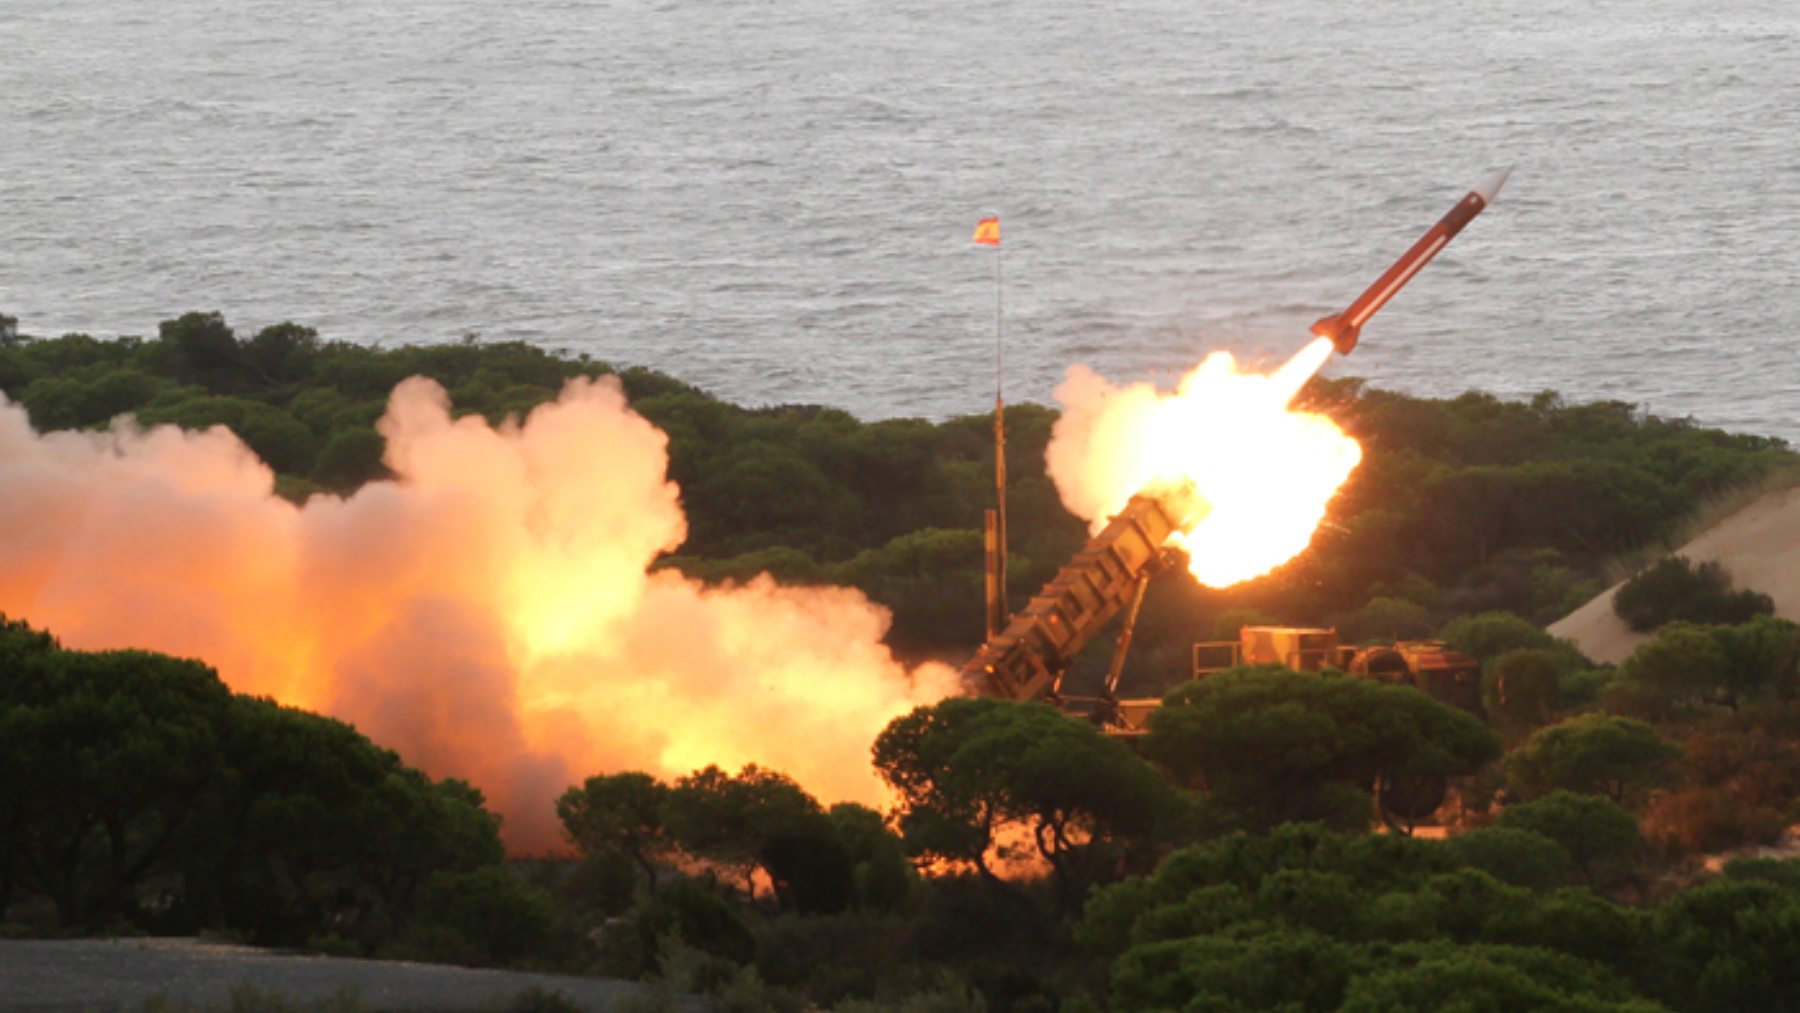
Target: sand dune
{"x":1758,"y":545}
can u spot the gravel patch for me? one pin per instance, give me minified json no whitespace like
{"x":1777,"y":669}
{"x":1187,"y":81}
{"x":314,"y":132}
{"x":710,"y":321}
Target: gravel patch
{"x":119,"y":974}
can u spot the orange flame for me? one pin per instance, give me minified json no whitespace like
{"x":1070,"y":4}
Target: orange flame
{"x":1266,"y":470}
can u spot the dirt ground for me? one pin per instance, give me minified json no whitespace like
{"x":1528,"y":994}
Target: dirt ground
{"x":119,"y":974}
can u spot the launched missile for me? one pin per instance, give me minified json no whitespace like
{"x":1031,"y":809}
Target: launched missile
{"x":1343,"y":328}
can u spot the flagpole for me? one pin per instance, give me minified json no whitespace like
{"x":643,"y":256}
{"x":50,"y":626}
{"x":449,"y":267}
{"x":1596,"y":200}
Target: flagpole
{"x":1005,"y":610}
{"x":987,"y":233}
{"x":999,"y":319}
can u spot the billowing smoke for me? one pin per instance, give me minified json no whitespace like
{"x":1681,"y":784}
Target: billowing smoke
{"x":1264,"y":470}
{"x":490,"y":613}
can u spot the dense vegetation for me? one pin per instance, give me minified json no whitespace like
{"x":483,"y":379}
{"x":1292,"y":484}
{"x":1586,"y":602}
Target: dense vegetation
{"x":1461,"y":506}
{"x":137,"y":791}
{"x":1235,"y":859}
{"x":1067,"y":868}
{"x":1303,"y":919}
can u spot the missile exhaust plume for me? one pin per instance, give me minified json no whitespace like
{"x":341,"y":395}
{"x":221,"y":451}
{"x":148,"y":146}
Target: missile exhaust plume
{"x":489,"y":613}
{"x":1264,"y":471}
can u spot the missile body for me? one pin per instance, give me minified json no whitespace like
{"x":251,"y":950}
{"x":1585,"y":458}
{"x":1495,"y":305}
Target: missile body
{"x":1344,"y":328}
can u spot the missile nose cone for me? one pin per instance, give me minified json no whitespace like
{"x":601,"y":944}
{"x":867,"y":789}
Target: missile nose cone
{"x":1490,"y":187}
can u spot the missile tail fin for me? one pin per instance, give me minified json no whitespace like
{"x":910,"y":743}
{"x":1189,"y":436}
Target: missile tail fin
{"x":1341,"y":333}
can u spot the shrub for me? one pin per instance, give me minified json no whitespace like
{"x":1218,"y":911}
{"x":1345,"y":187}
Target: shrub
{"x":686,"y":910}
{"x":836,"y":957}
{"x":604,"y":883}
{"x":1677,"y":589}
{"x":501,"y":916}
{"x":1701,"y":820}
{"x":350,"y":458}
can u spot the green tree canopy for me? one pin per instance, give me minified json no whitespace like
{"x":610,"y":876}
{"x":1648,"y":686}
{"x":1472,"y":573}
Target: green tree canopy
{"x":1731,"y":944}
{"x":1519,"y":689}
{"x":619,"y":812}
{"x":107,"y":757}
{"x":1598,"y":835}
{"x":1491,"y":979}
{"x":313,"y":825}
{"x":966,"y":767}
{"x":1385,"y":618}
{"x":1491,"y":634}
{"x":120,"y":768}
{"x":1594,"y":753}
{"x":1306,"y":919}
{"x":760,"y":820}
{"x":1762,"y":659}
{"x":1683,"y":665}
{"x":1510,"y":855}
{"x":1273,"y":746}
{"x":882,"y":875}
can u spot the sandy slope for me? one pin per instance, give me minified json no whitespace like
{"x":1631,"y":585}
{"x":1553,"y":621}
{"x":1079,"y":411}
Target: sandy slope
{"x":1758,"y":545}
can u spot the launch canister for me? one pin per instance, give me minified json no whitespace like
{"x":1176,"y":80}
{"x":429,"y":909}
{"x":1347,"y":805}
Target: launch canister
{"x":1343,"y":328}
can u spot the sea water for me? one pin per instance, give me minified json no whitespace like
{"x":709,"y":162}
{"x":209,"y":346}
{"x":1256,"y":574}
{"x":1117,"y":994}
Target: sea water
{"x":774,"y":200}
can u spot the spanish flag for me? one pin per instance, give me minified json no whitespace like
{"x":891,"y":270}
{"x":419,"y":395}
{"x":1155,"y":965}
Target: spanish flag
{"x":987,"y":232}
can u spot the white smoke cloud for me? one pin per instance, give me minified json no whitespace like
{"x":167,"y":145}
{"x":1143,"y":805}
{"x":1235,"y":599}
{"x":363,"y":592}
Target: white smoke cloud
{"x":489,"y":613}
